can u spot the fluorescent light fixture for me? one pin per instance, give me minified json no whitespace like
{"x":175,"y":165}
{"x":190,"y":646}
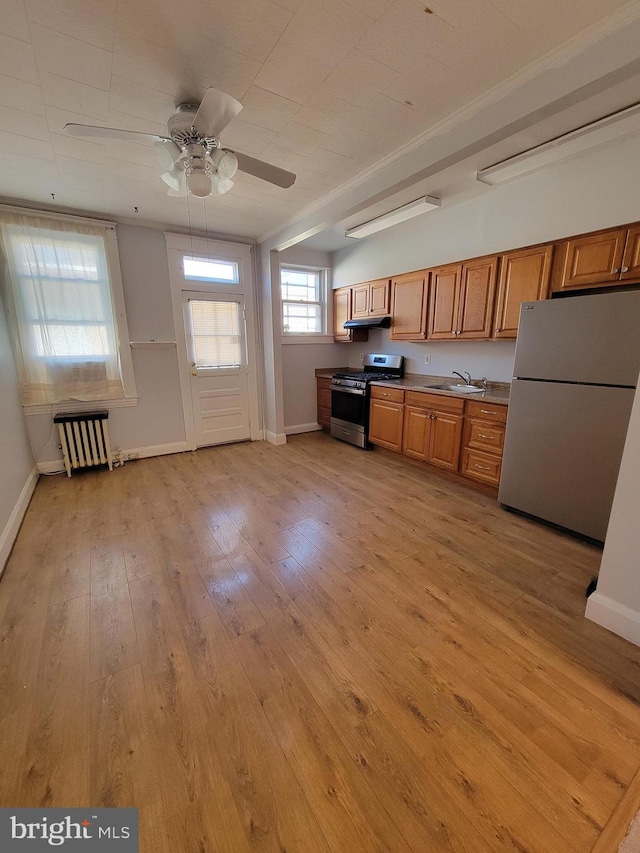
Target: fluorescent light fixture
{"x":386,"y":220}
{"x":623,"y":123}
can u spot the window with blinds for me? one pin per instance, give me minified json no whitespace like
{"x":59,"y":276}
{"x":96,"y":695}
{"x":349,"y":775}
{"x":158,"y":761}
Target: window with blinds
{"x":217,"y":333}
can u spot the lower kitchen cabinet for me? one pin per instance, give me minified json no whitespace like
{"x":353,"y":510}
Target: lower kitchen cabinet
{"x":465,"y":437}
{"x":433,"y":429}
{"x":386,"y":417}
{"x":324,"y":401}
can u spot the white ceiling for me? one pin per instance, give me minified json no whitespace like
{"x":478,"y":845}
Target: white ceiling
{"x":329,"y":87}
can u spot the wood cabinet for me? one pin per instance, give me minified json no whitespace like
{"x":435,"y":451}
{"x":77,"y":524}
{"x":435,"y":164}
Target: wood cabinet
{"x":433,"y":429}
{"x":483,"y":441}
{"x":462,"y":300}
{"x":601,"y":259}
{"x":386,"y":417}
{"x":524,"y":277}
{"x":371,"y":299}
{"x":324,"y":401}
{"x":409,"y":306}
{"x":343,"y":311}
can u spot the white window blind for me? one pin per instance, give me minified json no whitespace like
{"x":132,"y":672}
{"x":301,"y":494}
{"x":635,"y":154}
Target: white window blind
{"x":303,"y":301}
{"x":217,"y":333}
{"x":61,"y":310}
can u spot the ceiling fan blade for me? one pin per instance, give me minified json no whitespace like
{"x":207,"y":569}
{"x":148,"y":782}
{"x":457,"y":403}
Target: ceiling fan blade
{"x":265,"y":171}
{"x":215,"y":112}
{"x":112,"y":133}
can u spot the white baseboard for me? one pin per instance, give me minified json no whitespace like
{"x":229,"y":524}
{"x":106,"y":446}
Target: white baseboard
{"x":276,"y":437}
{"x":619,"y":618}
{"x":55,"y":466}
{"x":298,"y":428}
{"x":8,"y":535}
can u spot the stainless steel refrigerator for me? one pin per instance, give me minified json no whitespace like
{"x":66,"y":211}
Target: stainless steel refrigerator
{"x":575,"y":373}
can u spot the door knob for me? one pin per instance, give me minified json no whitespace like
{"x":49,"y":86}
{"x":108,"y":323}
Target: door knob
{"x":194,"y":372}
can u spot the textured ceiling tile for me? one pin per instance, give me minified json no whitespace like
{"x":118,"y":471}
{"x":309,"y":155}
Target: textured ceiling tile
{"x":17,"y":60}
{"x":352,"y":142}
{"x":91,"y":21}
{"x":71,"y":58}
{"x":127,"y":169}
{"x":82,"y":182}
{"x":266,"y":109}
{"x":71,"y":95}
{"x":326,"y":162}
{"x":11,"y":143}
{"x":327,"y":29}
{"x":325,"y":112}
{"x":250,"y":27}
{"x":32,"y":166}
{"x":132,"y":152}
{"x":13,"y":20}
{"x":73,"y":166}
{"x":140,"y":101}
{"x":246,"y":137}
{"x":21,"y":95}
{"x":24,"y":124}
{"x":279,"y":157}
{"x":373,"y":8}
{"x":68,"y":146}
{"x":291,"y":74}
{"x":299,"y":139}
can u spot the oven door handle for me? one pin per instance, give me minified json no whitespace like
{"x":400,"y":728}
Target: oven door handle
{"x":340,"y":389}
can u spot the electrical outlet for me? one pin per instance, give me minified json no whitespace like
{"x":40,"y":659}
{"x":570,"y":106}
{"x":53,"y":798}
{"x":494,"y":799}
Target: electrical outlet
{"x":361,"y":358}
{"x":131,"y":455}
{"x":427,"y":358}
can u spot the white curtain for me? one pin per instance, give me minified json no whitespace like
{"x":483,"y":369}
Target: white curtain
{"x":58,"y":299}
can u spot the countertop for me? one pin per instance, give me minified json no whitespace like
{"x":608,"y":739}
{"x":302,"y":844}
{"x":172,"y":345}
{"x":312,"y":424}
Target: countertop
{"x":497,"y":392}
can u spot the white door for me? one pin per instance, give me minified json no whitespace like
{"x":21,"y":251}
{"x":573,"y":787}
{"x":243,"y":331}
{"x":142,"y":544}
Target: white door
{"x":217,"y":352}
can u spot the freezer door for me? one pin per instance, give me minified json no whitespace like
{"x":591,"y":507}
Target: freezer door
{"x":592,"y":339}
{"x":562,"y":452}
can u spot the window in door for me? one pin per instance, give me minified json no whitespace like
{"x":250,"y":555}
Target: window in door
{"x":217,"y":333}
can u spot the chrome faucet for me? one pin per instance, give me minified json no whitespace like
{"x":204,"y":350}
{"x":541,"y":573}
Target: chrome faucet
{"x":466,"y":378}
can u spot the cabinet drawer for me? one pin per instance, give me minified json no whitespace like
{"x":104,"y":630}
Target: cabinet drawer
{"x":323,"y":382}
{"x":484,"y":435}
{"x":393,"y":395}
{"x":324,"y":397}
{"x":434,"y":401}
{"x":481,"y":466}
{"x":487,"y":411}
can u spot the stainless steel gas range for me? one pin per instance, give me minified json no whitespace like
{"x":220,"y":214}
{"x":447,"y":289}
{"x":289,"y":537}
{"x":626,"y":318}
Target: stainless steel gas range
{"x":350,"y":396}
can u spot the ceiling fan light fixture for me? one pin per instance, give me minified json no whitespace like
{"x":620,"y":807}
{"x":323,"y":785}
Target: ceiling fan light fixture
{"x":166,"y":153}
{"x":220,"y":186}
{"x":199,"y":183}
{"x":225,"y":163}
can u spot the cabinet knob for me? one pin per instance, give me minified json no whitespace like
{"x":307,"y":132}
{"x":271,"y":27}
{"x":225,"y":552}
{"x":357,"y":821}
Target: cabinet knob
{"x":624,"y":269}
{"x":616,"y":270}
{"x":498,"y":329}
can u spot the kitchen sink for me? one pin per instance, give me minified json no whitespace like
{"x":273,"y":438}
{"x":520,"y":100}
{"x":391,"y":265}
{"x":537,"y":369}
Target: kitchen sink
{"x":462,"y":389}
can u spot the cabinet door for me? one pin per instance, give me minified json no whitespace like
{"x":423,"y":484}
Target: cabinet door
{"x":324,"y":401}
{"x":379,"y":298}
{"x":385,"y":424}
{"x":409,"y":311}
{"x":524,"y":277}
{"x":592,"y":261}
{"x":415,"y":438}
{"x":443,"y":302}
{"x":360,"y":301}
{"x":341,"y":313}
{"x":445,"y":440}
{"x":477,"y":297}
{"x":631,"y":260}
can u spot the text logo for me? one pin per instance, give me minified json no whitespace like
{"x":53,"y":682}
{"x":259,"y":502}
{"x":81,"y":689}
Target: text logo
{"x":86,"y":830}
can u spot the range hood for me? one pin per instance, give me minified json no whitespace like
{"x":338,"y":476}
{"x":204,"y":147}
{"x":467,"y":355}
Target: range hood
{"x":369,"y":323}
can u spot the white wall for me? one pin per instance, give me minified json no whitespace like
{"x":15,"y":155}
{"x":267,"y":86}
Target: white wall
{"x":157,"y":419}
{"x":16,"y":460}
{"x":616,"y":603}
{"x":589,"y":192}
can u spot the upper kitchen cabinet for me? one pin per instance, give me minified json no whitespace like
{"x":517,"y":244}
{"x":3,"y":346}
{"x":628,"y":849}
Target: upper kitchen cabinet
{"x":601,"y":259}
{"x":409,"y":295}
{"x":524,"y":277}
{"x":343,"y":311}
{"x":371,"y":299}
{"x":462,"y":300}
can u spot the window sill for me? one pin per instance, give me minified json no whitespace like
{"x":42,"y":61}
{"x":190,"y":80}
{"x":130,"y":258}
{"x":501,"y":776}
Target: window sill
{"x":307,"y":339}
{"x":83,"y":406}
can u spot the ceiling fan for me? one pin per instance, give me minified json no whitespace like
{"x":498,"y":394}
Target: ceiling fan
{"x":191,"y":157}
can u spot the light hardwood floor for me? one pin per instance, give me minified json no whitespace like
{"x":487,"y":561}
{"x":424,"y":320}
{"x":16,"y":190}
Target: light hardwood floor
{"x":309,"y":648}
